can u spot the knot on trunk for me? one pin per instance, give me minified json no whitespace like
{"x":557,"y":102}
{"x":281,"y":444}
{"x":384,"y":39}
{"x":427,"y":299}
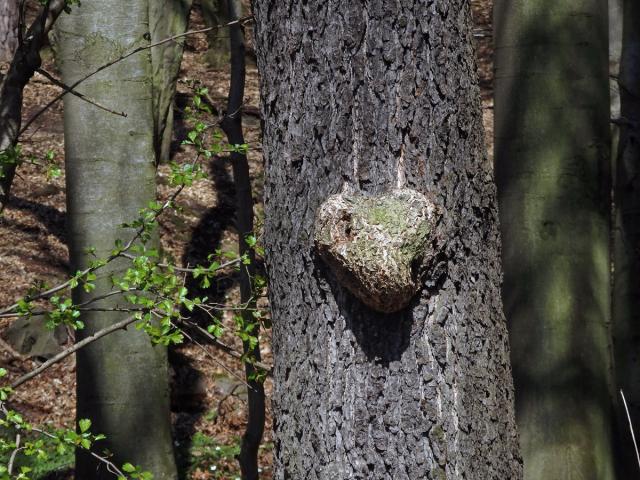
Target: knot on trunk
{"x":375,"y":244}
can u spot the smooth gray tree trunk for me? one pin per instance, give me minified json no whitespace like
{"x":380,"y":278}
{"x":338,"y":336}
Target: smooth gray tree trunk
{"x":552,"y":144}
{"x":122,"y":380}
{"x":626,"y":279}
{"x":368,"y":96}
{"x":216,"y":13}
{"x":167,"y":18}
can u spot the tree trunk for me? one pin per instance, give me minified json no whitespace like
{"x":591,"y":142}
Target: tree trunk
{"x":626,"y":293}
{"x":232,"y":126}
{"x":25,"y":62}
{"x":9,"y":19}
{"x":166,"y":19}
{"x":552,"y":142}
{"x":366,"y":97}
{"x":216,"y":13}
{"x":122,"y":380}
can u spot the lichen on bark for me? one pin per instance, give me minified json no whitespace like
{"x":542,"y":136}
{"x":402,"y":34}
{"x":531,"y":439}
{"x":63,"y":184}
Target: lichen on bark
{"x":375,"y":244}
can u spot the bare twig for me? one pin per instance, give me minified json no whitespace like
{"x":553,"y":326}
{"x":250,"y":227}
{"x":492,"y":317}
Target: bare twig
{"x":74,"y":348}
{"x":81,"y":96}
{"x":13,"y":455}
{"x":111,"y":467}
{"x":11,"y":351}
{"x":172,"y":38}
{"x":109,"y":259}
{"x":188,"y":270}
{"x":224,"y":399}
{"x":214,"y":359}
{"x":224,"y":347}
{"x":633,"y":435}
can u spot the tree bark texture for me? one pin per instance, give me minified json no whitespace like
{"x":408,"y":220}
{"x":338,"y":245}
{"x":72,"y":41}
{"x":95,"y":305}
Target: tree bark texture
{"x":626,"y":292}
{"x":9,"y":19}
{"x":166,"y":19}
{"x":122,"y":380}
{"x":369,"y":96}
{"x":552,"y":142}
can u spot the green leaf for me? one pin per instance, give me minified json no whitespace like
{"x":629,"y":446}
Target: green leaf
{"x":127,"y":467}
{"x":85,"y":424}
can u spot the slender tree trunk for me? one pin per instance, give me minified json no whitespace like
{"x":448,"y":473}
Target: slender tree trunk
{"x":166,"y":19}
{"x":9,"y":19}
{"x":25,"y":62}
{"x":215,"y":13}
{"x":369,"y":96}
{"x":122,"y":380}
{"x":626,"y":293}
{"x":552,"y":142}
{"x":232,"y":125}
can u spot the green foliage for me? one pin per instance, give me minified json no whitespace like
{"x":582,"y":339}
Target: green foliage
{"x":208,"y":454}
{"x":9,"y":157}
{"x":27,"y":453}
{"x":40,"y":466}
{"x":13,"y":157}
{"x":153,"y":291}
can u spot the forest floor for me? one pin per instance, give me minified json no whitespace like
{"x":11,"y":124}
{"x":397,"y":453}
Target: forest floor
{"x":208,"y":396}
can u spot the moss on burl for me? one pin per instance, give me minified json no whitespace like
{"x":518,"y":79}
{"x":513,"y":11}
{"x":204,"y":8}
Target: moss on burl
{"x":375,"y":244}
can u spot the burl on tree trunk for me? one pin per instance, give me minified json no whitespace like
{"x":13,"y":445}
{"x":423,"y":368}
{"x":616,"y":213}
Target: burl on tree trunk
{"x":375,"y":245}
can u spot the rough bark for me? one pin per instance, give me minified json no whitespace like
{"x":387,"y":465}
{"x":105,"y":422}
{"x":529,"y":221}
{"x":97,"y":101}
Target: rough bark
{"x":166,"y":19}
{"x":122,"y":380}
{"x":626,"y":292}
{"x":232,"y":126}
{"x":368,"y":96}
{"x":9,"y":19}
{"x":553,"y":175}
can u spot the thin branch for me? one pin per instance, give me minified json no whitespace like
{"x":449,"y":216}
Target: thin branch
{"x":74,"y":348}
{"x":81,"y":96}
{"x":633,"y":435}
{"x":172,"y":38}
{"x":226,"y":348}
{"x":13,"y":455}
{"x":188,"y":270}
{"x":224,"y":399}
{"x":109,"y":259}
{"x":214,"y":359}
{"x":111,"y":467}
{"x":15,"y":355}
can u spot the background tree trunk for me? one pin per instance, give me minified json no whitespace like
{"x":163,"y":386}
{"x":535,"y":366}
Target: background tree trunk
{"x":214,"y":13}
{"x":9,"y":19}
{"x":166,"y":19}
{"x":232,"y":126}
{"x":626,"y":293}
{"x":368,"y":96}
{"x":122,"y":379}
{"x":553,"y":173}
{"x":25,"y":62}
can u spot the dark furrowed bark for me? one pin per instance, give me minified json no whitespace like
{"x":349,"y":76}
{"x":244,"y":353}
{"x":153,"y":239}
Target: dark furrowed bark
{"x":369,"y":96}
